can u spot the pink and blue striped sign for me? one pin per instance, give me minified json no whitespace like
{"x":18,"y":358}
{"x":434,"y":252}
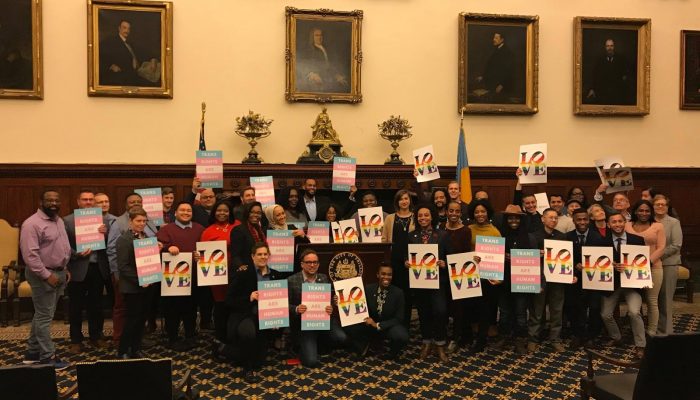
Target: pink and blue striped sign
{"x":147,"y":256}
{"x":281,"y":244}
{"x":316,"y":297}
{"x":210,"y":168}
{"x":264,"y":189}
{"x":525,"y":271}
{"x":273,"y":304}
{"x":343,"y":173}
{"x":87,"y":225}
{"x":152,"y":204}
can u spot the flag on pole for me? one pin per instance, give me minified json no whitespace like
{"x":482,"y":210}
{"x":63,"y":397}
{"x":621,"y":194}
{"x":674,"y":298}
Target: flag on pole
{"x":202,"y":144}
{"x":463,"y":176}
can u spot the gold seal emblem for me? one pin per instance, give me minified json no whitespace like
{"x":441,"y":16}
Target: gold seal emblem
{"x":345,"y":265}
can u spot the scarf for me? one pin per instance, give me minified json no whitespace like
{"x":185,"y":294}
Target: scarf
{"x":270,"y":214}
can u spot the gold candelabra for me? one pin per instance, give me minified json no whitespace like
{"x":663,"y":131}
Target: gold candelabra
{"x":253,"y":127}
{"x":395,"y":130}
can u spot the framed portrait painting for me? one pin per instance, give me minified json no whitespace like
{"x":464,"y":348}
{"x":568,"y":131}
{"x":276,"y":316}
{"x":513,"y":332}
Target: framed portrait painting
{"x":497,"y":64}
{"x":690,"y":70}
{"x":612,"y":58}
{"x":21,"y":64}
{"x":323,"y":55}
{"x":130,"y":50}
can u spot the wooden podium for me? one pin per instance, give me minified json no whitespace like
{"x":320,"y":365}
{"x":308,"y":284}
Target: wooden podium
{"x":348,"y":260}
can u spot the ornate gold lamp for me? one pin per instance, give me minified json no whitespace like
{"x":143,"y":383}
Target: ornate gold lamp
{"x":395,"y":130}
{"x":253,"y":127}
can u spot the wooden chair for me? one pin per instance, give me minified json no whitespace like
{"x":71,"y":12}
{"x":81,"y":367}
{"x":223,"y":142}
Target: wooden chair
{"x":132,"y":379}
{"x":685,"y":277}
{"x":9,"y":247}
{"x":666,"y":371}
{"x":31,"y":382}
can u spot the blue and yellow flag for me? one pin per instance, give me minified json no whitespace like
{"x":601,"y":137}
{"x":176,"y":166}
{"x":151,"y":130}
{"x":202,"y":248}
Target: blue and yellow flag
{"x":463,"y":176}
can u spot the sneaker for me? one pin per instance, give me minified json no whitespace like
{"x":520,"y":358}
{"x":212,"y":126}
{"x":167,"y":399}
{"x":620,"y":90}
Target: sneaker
{"x":31,"y":358}
{"x":558,"y":347}
{"x":56,"y":362}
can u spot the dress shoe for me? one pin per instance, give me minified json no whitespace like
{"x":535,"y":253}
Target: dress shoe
{"x":441,"y":353}
{"x":425,"y":351}
{"x":639,"y":352}
{"x":520,"y":347}
{"x":478,"y":347}
{"x":99,"y":344}
{"x":75,"y":348}
{"x":532,"y":347}
{"x":499,"y":342}
{"x":558,"y":347}
{"x":147,"y":343}
{"x":250,"y":376}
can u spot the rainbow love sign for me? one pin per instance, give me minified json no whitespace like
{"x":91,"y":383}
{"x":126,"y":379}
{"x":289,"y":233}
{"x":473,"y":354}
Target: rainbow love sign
{"x":423,"y":271}
{"x":177,"y":275}
{"x":273,"y":304}
{"x":371,"y":224}
{"x":425,"y":165}
{"x":464,"y":276}
{"x":532,"y":161}
{"x":212,"y":267}
{"x":598,"y":271}
{"x":558,"y":261}
{"x":525,"y":271}
{"x":352,"y":302}
{"x":637,"y":273}
{"x":348,"y":228}
{"x":147,"y":256}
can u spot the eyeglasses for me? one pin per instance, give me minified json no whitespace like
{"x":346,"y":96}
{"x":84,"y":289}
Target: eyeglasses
{"x":660,"y":205}
{"x":310,"y":262}
{"x":206,"y":197}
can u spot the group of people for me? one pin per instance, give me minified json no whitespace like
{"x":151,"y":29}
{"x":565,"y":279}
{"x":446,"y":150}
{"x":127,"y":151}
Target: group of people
{"x":230,"y":311}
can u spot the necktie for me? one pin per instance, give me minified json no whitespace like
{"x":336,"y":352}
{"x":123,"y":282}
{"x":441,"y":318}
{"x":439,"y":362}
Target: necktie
{"x":581,"y":239}
{"x":619,"y":244}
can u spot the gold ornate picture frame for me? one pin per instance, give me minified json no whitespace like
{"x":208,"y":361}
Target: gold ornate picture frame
{"x":690,"y":70}
{"x":612,"y":61}
{"x":130,"y":51}
{"x":323,"y":55}
{"x":21,"y":56}
{"x":498,"y":67}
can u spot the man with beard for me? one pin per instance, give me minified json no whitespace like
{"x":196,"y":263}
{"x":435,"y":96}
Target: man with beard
{"x":315,"y":207}
{"x":46,"y":251}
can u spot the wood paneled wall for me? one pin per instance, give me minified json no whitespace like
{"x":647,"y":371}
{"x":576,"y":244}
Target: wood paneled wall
{"x":21,"y":184}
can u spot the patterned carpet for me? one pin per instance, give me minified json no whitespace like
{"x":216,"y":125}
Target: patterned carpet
{"x":494,"y":374}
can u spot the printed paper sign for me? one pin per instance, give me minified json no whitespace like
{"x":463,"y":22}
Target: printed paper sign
{"x":318,"y":232}
{"x":532,"y":161}
{"x":152,"y":204}
{"x":337,"y":232}
{"x":210,"y":168}
{"x":147,"y":256}
{"x":273,"y":304}
{"x":607,"y":163}
{"x":264,"y":190}
{"x":542,"y":202}
{"x":525,"y":271}
{"x":558,"y":261}
{"x":371,"y":224}
{"x":316,"y":297}
{"x":423,"y":271}
{"x":425,"y":165}
{"x":492,"y":252}
{"x":343,"y":173}
{"x":352,"y":302}
{"x":177,"y":275}
{"x":349,"y":229}
{"x":87,"y":224}
{"x":637,"y":273}
{"x":598,"y":269}
{"x":212,"y":267}
{"x":281,"y":244}
{"x":618,"y":179}
{"x":464,"y":276}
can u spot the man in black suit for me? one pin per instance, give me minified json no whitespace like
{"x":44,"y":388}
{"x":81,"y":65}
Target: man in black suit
{"x":118,"y":61}
{"x":499,"y":73}
{"x":581,"y":306}
{"x":315,"y":207}
{"x":385,"y":303}
{"x":633,"y":297}
{"x":613,"y":79}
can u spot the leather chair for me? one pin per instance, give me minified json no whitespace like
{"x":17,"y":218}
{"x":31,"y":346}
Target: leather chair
{"x":666,"y":371}
{"x":132,"y":379}
{"x":31,"y":382}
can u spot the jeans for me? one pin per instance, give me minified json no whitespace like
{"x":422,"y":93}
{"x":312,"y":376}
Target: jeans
{"x":652,"y":298}
{"x":432,"y":314}
{"x":86,"y":294}
{"x":45,"y":299}
{"x":118,"y":312}
{"x":309,"y":340}
{"x":634,"y":306}
{"x":668,"y":288}
{"x":513,"y":307}
{"x":554,"y":296}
